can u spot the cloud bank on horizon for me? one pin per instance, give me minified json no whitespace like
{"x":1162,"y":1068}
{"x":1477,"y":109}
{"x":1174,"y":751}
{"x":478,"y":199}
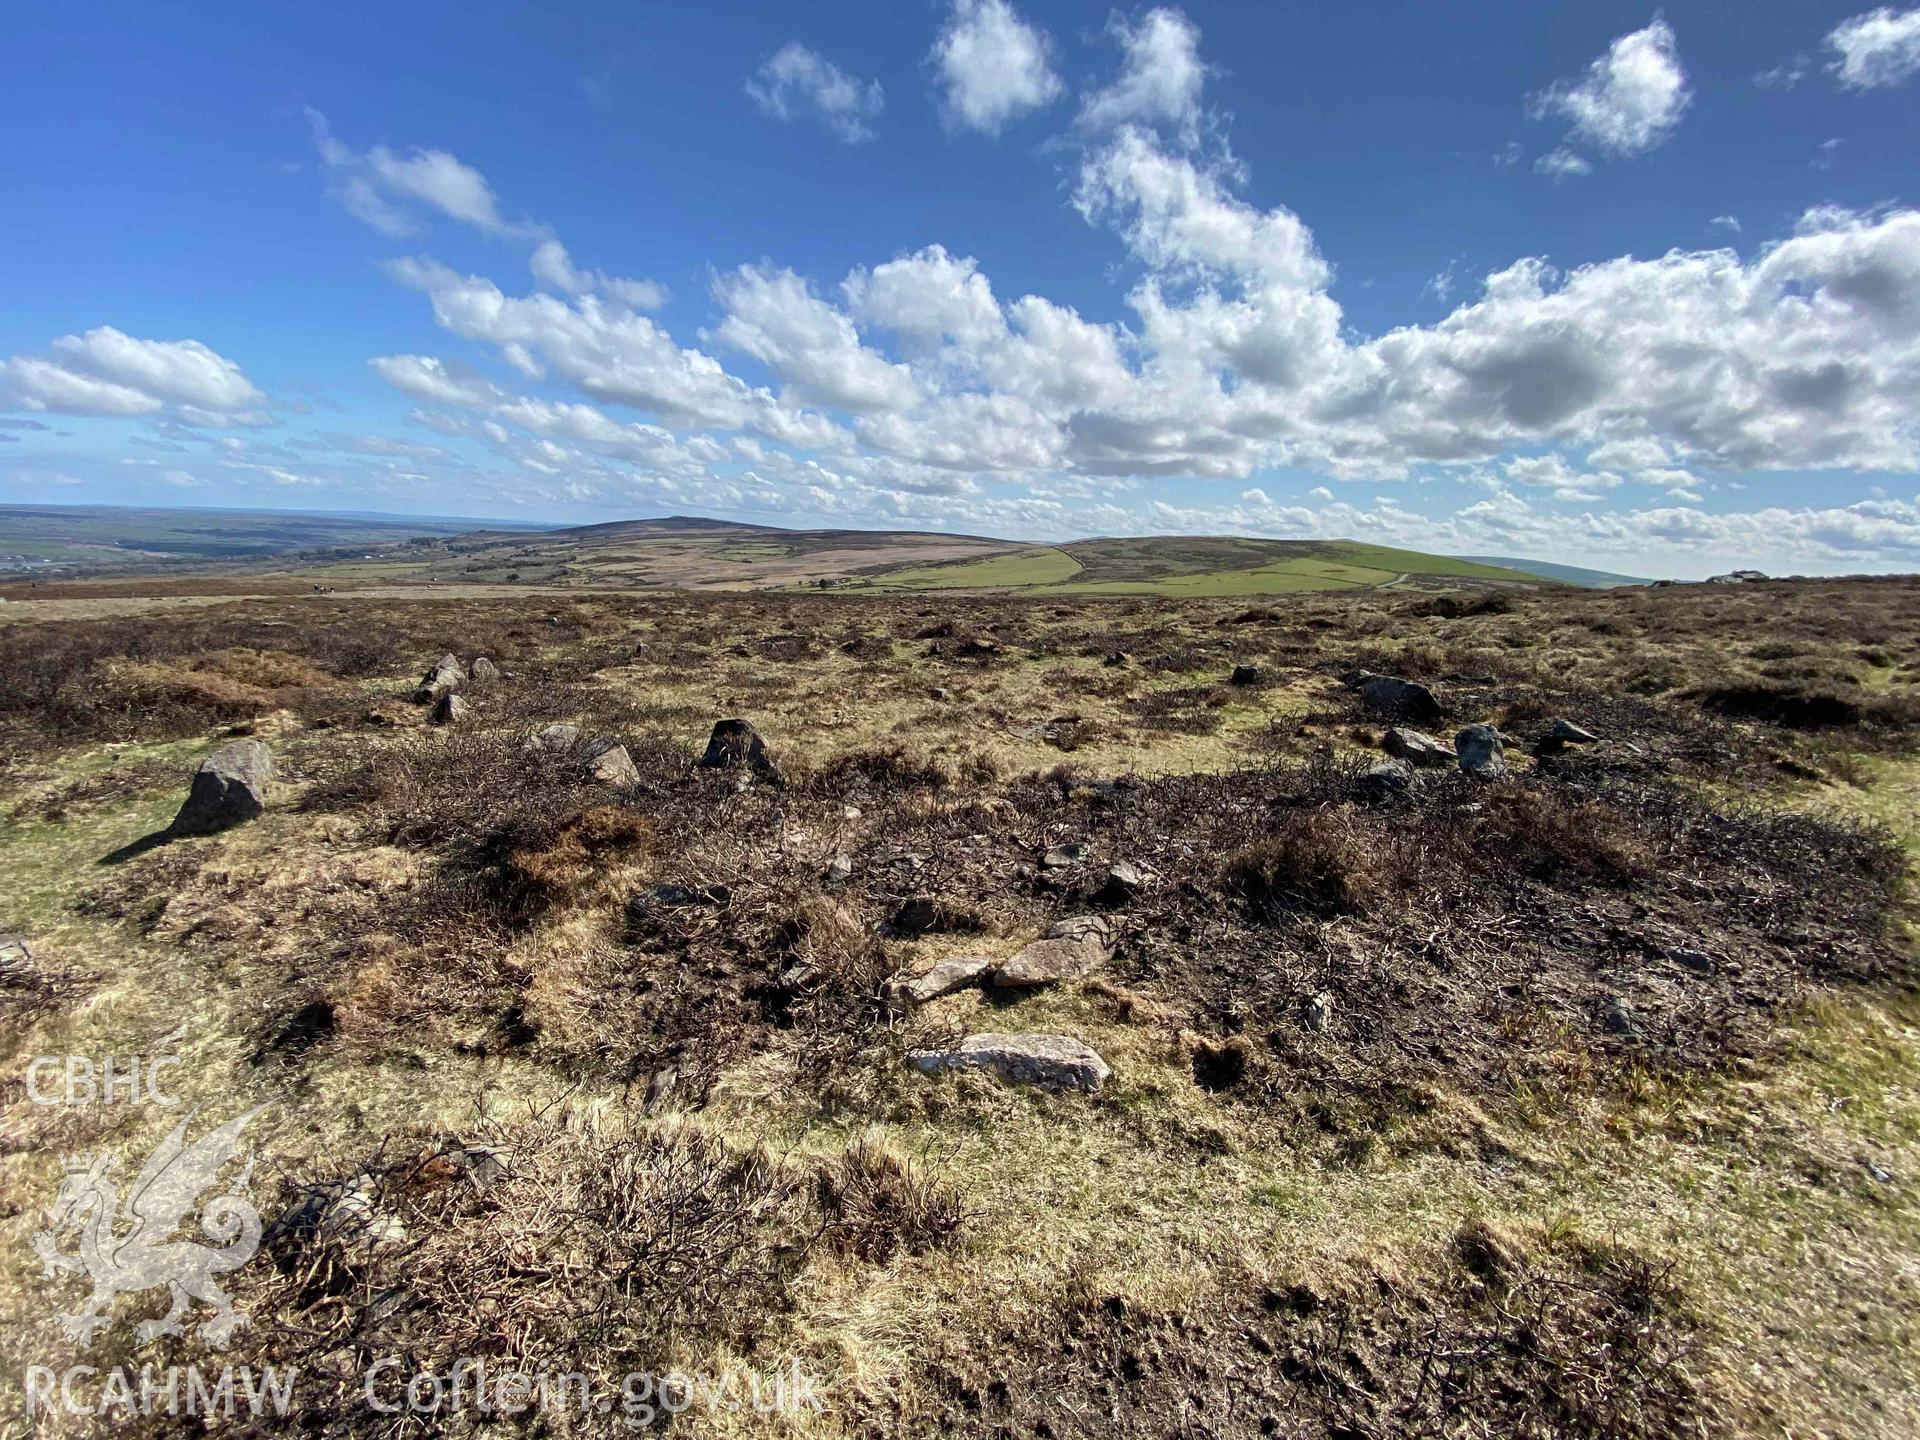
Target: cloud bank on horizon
{"x":1610,"y":413}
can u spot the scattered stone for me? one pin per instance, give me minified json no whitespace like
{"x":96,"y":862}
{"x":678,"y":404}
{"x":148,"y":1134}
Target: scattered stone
{"x":446,"y":674}
{"x":1117,"y":660}
{"x":1385,"y":780}
{"x":1416,"y":747}
{"x":1246,"y":675}
{"x":1688,"y":958}
{"x":344,"y":1213}
{"x":1616,"y":1017}
{"x":939,"y":692}
{"x":483,"y":1166}
{"x":607,"y":761}
{"x":735,"y":744}
{"x":849,"y":812}
{"x":1388,"y":695}
{"x":449,"y":709}
{"x":557,"y":738}
{"x":1074,"y":948}
{"x":1059,"y":857}
{"x":946,"y":978}
{"x":483,"y":671}
{"x":1123,"y":882}
{"x":1056,"y":1061}
{"x":1317,"y":1013}
{"x":660,"y":1086}
{"x":676,"y":897}
{"x":1568,"y":733}
{"x":229,"y":787}
{"x":839,"y":870}
{"x":1481,"y":753}
{"x":917,"y":916}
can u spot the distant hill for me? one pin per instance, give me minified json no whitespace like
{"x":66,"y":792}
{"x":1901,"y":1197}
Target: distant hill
{"x":695,"y":552}
{"x":106,"y":538}
{"x":692,"y":552}
{"x":1565,"y":574}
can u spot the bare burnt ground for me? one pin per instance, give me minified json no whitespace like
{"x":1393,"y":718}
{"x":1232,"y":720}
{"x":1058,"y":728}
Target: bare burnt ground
{"x":1553,"y":1338}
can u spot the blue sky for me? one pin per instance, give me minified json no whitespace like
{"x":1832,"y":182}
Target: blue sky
{"x":1600,"y":284}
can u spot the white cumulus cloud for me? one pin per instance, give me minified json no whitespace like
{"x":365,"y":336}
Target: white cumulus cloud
{"x":1878,"y":48}
{"x":1630,"y":99}
{"x":796,"y":83}
{"x":108,"y":372}
{"x":1161,"y":76}
{"x":384,"y":187}
{"x":992,"y":66}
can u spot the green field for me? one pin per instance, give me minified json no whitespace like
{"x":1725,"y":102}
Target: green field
{"x":1039,"y":565}
{"x":1194,"y":566}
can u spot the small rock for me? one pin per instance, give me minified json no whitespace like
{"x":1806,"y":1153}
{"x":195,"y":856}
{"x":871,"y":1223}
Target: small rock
{"x":1616,"y":1017}
{"x":1388,"y":695}
{"x":1059,"y":857}
{"x":345,"y":1213}
{"x":1056,"y":1061}
{"x":660,"y":1086}
{"x":917,"y":916}
{"x":1123,"y":882}
{"x":839,"y":870}
{"x":1317,"y":1013}
{"x":483,"y":1165}
{"x":449,"y":709}
{"x":676,"y":897}
{"x":1416,"y":747}
{"x":229,"y":787}
{"x":1568,"y":733}
{"x":1385,"y":780}
{"x":1688,"y":958}
{"x":939,"y":692}
{"x":1074,"y":948}
{"x":945,"y":978}
{"x":559,"y":737}
{"x":1481,"y":753}
{"x":1117,"y":660}
{"x":735,"y":744}
{"x":608,"y":762}
{"x":1246,"y":675}
{"x":483,"y":670}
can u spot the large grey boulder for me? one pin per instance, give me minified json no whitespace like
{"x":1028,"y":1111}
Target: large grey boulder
{"x":1073,"y":949}
{"x":449,"y":709}
{"x":1407,"y":699}
{"x":1481,"y":753}
{"x":734,"y":745}
{"x":229,"y":787}
{"x":484,"y":671}
{"x":447,"y":674}
{"x":1057,"y":1061}
{"x":1416,"y":747}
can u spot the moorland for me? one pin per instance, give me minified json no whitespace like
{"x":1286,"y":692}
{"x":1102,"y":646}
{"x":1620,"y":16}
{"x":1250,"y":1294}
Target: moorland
{"x":1556,"y":1079}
